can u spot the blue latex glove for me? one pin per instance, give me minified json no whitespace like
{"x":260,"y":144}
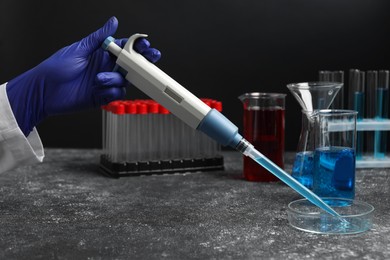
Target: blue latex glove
{"x":75,"y":78}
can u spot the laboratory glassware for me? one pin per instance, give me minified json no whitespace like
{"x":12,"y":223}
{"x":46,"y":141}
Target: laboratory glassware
{"x":311,"y":96}
{"x":371,"y":89}
{"x":334,"y":76}
{"x":357,"y":103}
{"x":264,"y":126}
{"x":382,"y":112}
{"x":141,"y":137}
{"x":334,"y":155}
{"x":357,"y":216}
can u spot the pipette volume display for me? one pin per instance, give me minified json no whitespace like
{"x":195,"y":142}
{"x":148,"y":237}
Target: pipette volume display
{"x":191,"y":110}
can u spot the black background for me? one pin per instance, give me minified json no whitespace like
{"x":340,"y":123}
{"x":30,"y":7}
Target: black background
{"x":215,"y":48}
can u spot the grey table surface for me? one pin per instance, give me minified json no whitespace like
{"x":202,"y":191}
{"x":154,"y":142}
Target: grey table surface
{"x":64,"y":208}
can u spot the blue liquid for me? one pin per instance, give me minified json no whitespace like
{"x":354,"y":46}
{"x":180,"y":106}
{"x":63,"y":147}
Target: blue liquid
{"x":382,"y":111}
{"x":290,"y":181}
{"x":334,"y":172}
{"x":358,"y":105}
{"x":302,"y":169}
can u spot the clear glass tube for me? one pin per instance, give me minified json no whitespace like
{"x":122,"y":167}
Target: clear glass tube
{"x":382,"y":111}
{"x":356,"y":102}
{"x":104,"y":131}
{"x":336,"y":77}
{"x":325,"y":75}
{"x":338,"y":102}
{"x":371,"y":88}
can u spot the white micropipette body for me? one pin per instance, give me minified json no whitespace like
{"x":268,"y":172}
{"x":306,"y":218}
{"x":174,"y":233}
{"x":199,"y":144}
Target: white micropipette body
{"x":157,"y":84}
{"x":194,"y":112}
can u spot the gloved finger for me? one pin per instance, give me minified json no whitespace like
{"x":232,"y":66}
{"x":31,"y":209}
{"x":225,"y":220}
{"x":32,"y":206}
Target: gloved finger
{"x":110,"y":79}
{"x":121,"y":42}
{"x":93,"y":41}
{"x":103,"y":96}
{"x":141,"y":44}
{"x":152,"y":54}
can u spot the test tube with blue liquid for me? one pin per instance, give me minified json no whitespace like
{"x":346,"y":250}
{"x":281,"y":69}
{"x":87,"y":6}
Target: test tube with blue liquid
{"x":371,"y":89}
{"x":356,"y":102}
{"x":382,"y":112}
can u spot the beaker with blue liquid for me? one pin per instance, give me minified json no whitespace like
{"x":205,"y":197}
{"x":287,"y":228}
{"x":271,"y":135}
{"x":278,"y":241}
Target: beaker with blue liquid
{"x":312,"y":96}
{"x":335,"y":153}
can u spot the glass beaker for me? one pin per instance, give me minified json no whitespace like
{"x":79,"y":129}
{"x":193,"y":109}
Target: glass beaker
{"x":264,"y":124}
{"x":311,"y":96}
{"x":335,"y":153}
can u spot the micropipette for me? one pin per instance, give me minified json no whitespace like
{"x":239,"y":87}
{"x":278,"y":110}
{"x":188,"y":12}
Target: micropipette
{"x":158,"y":85}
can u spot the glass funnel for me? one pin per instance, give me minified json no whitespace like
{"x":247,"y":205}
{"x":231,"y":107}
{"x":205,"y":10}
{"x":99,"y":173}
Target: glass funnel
{"x":311,"y":96}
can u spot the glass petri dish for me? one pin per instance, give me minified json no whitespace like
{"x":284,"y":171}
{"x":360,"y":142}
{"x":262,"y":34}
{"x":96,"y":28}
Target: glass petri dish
{"x":356,"y":216}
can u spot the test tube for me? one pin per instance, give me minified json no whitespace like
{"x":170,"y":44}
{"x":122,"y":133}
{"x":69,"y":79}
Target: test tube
{"x":338,"y":102}
{"x":126,"y":130}
{"x":164,"y":142}
{"x":109,"y":131}
{"x":217,"y":147}
{"x":371,"y":88}
{"x":325,"y":75}
{"x":198,"y":143}
{"x":382,"y":111}
{"x":175,"y":134}
{"x":112,"y":131}
{"x":131,"y":132}
{"x":119,"y":113}
{"x":153,"y":129}
{"x":353,"y":82}
{"x":207,"y":141}
{"x":356,"y":89}
{"x":104,"y":125}
{"x":143,"y":141}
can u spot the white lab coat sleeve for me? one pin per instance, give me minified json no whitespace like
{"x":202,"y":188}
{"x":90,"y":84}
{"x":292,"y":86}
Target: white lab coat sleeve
{"x":15,"y":148}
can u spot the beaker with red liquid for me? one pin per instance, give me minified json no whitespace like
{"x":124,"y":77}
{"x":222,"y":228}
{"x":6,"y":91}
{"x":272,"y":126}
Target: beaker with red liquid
{"x":264,"y":125}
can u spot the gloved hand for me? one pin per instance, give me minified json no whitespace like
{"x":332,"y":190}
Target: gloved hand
{"x":75,"y":78}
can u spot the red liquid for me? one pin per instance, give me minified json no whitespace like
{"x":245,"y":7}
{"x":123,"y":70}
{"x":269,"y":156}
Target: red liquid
{"x":264,"y":129}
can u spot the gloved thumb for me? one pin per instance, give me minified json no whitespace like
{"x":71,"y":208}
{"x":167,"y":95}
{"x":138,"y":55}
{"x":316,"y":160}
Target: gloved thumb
{"x":93,"y":41}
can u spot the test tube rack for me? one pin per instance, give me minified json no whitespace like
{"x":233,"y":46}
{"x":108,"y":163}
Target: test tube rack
{"x":141,"y":137}
{"x":368,"y":94}
{"x":368,"y":160}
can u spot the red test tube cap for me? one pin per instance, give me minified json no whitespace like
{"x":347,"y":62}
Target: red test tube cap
{"x":217,"y":105}
{"x":163,"y":110}
{"x":142,"y":108}
{"x":131,"y":108}
{"x":118,"y":109}
{"x":153,"y":108}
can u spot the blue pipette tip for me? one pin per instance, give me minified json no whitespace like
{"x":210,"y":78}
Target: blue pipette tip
{"x":287,"y":178}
